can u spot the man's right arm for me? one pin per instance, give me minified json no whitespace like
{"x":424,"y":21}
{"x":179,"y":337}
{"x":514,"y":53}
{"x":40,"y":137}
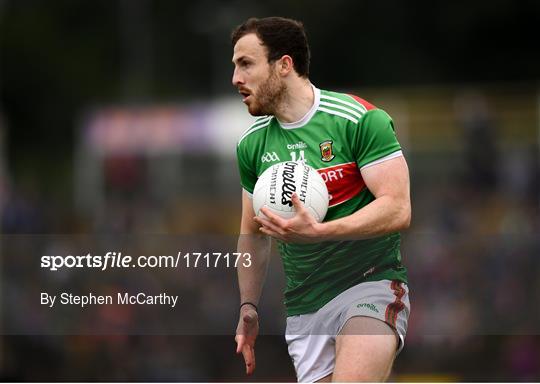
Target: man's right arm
{"x":250,"y":281}
{"x":251,"y":240}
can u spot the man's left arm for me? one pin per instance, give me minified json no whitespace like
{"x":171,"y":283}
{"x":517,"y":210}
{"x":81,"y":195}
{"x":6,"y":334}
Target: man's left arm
{"x":390,"y":212}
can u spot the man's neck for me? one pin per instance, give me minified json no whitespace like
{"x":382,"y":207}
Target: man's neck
{"x":298,"y":101}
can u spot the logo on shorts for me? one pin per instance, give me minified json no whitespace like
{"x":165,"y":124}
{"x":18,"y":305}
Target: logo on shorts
{"x":326,"y":150}
{"x":371,"y":307}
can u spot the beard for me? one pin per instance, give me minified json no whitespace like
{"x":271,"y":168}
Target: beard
{"x":268,"y":96}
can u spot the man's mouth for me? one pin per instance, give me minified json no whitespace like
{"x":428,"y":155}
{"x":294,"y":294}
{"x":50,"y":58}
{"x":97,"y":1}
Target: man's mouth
{"x":245,"y":94}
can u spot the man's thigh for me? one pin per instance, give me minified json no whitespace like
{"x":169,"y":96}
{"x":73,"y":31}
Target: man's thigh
{"x":365,"y":350}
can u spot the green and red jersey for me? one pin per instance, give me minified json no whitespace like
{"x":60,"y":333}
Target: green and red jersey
{"x":340,"y":135}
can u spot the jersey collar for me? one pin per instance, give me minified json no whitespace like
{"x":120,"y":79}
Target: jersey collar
{"x":307,"y":117}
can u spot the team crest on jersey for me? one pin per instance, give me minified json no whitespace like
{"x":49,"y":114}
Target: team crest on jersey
{"x":327,"y":152}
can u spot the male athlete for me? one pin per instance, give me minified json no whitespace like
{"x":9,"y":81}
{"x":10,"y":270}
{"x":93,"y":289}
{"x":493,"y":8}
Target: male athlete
{"x":346,"y":295}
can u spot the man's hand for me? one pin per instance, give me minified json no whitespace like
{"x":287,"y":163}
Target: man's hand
{"x":301,"y":228}
{"x":246,"y":334}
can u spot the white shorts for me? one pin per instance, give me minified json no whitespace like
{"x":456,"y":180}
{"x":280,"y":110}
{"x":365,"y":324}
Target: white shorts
{"x":311,"y":337}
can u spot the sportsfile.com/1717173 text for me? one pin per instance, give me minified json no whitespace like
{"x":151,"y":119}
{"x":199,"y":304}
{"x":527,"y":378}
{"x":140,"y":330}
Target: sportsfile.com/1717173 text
{"x":118,"y":260}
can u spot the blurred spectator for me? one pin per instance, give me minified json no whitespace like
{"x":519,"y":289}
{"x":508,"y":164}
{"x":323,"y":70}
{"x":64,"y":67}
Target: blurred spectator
{"x":481,"y":155}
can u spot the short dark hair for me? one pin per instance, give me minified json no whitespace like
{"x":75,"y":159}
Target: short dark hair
{"x":280,"y":36}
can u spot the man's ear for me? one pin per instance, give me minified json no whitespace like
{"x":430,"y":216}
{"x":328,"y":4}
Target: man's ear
{"x":285,"y":65}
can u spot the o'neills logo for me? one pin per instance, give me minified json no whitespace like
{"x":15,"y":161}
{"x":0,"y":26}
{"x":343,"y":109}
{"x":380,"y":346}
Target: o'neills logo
{"x":369,"y":306}
{"x":299,"y":145}
{"x":304,"y":185}
{"x":288,"y":186}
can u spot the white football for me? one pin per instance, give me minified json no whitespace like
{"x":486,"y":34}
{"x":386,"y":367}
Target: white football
{"x":275,"y":187}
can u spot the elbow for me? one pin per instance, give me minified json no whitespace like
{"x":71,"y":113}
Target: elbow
{"x":404,"y":218}
{"x":406,"y":221}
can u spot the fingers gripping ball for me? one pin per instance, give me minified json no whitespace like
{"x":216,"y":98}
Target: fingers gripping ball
{"x":275,"y":187}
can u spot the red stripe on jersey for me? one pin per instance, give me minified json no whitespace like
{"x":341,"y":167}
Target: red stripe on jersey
{"x":366,"y":104}
{"x":343,"y":181}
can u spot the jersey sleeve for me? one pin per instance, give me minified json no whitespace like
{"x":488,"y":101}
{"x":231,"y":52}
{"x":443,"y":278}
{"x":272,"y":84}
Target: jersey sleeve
{"x":375,"y":138}
{"x":246,"y":167}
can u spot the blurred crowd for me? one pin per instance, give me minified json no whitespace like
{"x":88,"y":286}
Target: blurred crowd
{"x":471,"y":253}
{"x":465,"y":103}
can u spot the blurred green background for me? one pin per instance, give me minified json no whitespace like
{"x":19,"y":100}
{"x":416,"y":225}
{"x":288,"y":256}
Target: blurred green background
{"x":119,"y":117}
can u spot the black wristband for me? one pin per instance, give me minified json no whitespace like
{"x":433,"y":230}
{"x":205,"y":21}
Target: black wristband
{"x":248,"y":303}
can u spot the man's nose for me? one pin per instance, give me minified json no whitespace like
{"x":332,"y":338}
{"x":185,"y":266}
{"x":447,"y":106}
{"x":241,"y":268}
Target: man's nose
{"x":237,"y":78}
